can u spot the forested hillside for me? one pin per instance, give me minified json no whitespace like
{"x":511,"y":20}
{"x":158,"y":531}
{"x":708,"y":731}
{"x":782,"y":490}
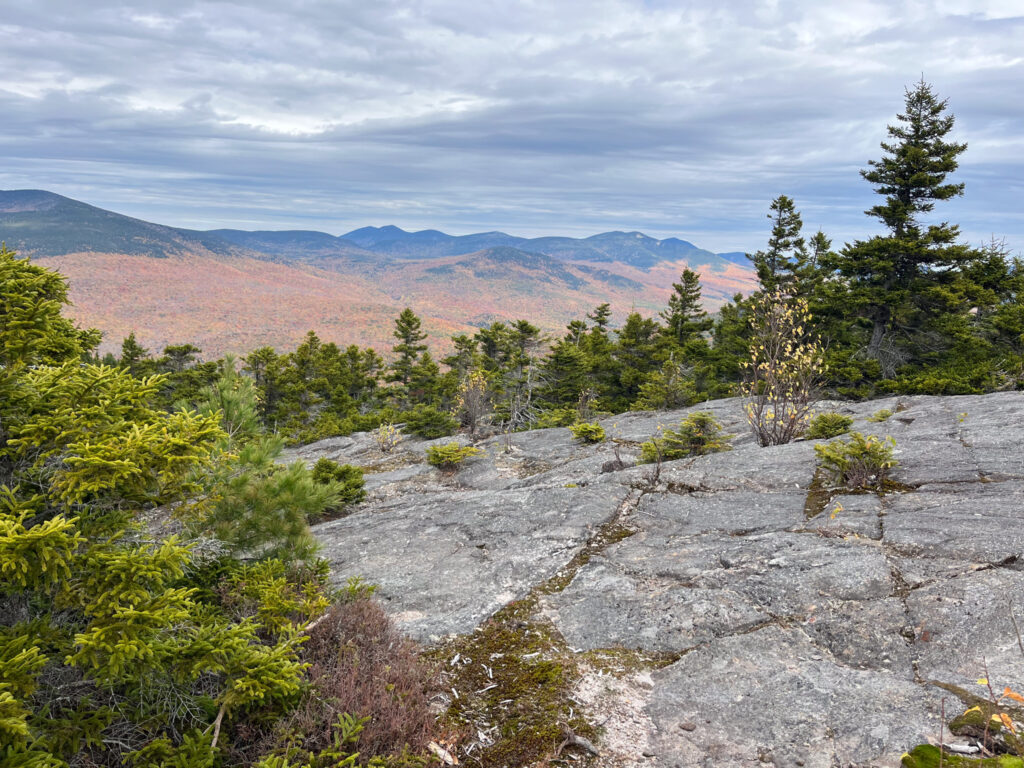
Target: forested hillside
{"x":232,"y":291}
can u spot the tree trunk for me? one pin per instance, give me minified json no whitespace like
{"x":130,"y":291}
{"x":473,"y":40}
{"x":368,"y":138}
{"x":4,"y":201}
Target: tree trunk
{"x":880,"y":318}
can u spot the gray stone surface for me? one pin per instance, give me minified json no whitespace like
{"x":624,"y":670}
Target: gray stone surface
{"x":773,"y":696}
{"x":798,"y":639}
{"x":670,"y":593}
{"x":848,"y":515}
{"x":962,"y":625}
{"x":978,"y":522}
{"x":445,"y":561}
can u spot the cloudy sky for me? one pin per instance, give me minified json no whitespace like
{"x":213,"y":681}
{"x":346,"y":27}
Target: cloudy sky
{"x":554,"y":117}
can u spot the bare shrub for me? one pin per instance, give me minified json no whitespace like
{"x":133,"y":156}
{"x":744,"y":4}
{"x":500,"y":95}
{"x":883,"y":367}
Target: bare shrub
{"x":474,"y":400}
{"x":388,"y":436}
{"x":362,"y":666}
{"x":784,"y":367}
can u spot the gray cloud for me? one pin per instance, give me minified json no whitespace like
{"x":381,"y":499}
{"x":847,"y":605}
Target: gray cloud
{"x":677,"y":118}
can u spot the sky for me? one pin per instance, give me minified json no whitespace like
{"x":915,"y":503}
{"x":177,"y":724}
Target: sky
{"x":545,"y":117}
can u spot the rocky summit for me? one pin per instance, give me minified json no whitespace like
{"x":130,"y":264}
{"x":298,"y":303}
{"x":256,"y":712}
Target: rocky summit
{"x":759,"y":619}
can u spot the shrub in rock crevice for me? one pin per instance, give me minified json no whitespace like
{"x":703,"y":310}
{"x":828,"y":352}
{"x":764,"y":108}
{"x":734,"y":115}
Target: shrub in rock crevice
{"x":859,"y":463}
{"x":588,"y":432}
{"x":828,"y":425}
{"x":450,"y":455}
{"x":698,"y":434}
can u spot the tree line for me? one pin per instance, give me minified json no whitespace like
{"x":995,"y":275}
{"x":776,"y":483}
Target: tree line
{"x":911,"y":310}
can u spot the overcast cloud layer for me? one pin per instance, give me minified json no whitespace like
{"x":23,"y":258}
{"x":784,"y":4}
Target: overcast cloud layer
{"x":554,"y":117}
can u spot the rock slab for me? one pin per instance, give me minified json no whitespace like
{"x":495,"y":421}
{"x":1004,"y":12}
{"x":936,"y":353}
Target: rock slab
{"x":803,"y":641}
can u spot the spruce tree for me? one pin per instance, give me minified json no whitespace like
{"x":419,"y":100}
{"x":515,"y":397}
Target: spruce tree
{"x":636,"y":352}
{"x":409,"y":347}
{"x":685,"y":317}
{"x":133,"y":354}
{"x":598,"y":347}
{"x":178,"y":357}
{"x":565,"y":373}
{"x":783,"y":265}
{"x":891,"y":277}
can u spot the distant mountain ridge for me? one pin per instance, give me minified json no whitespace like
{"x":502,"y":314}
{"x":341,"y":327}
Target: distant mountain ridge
{"x":633,"y":248}
{"x":40,"y":223}
{"x":229,"y":290}
{"x":44,"y":224}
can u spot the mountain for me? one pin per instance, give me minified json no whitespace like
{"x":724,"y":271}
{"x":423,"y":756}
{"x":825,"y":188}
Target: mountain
{"x":296,"y":244}
{"x":229,"y":290}
{"x":632,"y":248}
{"x":39,"y":223}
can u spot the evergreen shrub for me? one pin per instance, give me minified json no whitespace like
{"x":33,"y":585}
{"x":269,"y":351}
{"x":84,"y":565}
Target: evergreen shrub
{"x":826,"y":425}
{"x":859,"y":463}
{"x":450,"y":455}
{"x":587,"y":432}
{"x":556,"y":417}
{"x":698,"y":434}
{"x":346,"y":480}
{"x":428,"y":422}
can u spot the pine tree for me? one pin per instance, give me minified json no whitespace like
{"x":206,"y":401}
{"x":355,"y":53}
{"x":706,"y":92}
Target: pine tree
{"x":685,"y":317}
{"x":601,"y":316}
{"x":133,"y":354}
{"x":783,"y":265}
{"x":233,"y":398}
{"x":575,"y":332}
{"x":890,"y":278}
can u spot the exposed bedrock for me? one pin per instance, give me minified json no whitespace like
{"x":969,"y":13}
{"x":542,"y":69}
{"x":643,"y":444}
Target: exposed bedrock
{"x":804,"y":631}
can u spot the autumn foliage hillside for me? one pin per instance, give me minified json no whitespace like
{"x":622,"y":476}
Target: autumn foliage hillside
{"x":228,"y":304}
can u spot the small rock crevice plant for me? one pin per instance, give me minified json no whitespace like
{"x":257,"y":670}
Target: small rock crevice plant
{"x":450,"y":456}
{"x":859,"y":463}
{"x":698,"y":434}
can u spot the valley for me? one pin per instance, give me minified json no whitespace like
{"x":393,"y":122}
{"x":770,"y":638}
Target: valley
{"x":233,"y":291}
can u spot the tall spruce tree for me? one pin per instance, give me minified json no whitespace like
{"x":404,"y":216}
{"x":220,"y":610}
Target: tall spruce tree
{"x":892,"y":278}
{"x":685,"y":317}
{"x":409,"y":347}
{"x":785,"y":263}
{"x":133,"y":354}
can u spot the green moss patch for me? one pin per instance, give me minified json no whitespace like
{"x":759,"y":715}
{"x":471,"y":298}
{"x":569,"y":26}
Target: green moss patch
{"x":511,"y":681}
{"x":606,"y":536}
{"x":620,"y":661}
{"x":928,"y":756}
{"x":818,"y":496}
